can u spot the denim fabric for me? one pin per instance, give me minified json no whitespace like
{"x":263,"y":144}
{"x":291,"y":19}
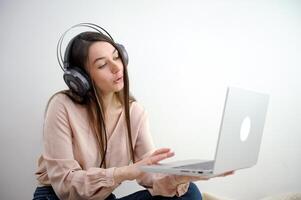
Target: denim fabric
{"x":45,"y":193}
{"x":193,"y":193}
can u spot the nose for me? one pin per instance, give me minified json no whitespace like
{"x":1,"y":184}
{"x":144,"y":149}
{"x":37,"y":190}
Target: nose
{"x":115,"y":66}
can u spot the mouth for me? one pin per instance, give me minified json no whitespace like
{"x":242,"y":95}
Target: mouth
{"x":118,"y":79}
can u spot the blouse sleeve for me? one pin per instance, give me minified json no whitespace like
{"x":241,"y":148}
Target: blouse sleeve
{"x":66,"y":176}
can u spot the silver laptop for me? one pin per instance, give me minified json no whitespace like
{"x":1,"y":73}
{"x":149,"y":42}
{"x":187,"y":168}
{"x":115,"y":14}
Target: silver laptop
{"x":239,"y":139}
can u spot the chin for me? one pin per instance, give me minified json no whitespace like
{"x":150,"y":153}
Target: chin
{"x":118,"y":89}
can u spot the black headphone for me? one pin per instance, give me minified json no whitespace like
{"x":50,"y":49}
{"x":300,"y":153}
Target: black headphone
{"x":75,"y":77}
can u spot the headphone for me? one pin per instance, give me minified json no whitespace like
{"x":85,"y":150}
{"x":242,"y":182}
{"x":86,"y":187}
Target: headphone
{"x":75,"y":77}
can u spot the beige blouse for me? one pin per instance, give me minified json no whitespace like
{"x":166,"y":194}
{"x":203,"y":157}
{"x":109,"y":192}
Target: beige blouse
{"x":70,"y":160}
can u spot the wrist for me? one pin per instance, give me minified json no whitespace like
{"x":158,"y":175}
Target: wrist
{"x":121,"y":174}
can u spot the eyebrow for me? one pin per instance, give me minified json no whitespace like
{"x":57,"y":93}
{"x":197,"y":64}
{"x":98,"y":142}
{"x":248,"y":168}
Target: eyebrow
{"x":100,"y":58}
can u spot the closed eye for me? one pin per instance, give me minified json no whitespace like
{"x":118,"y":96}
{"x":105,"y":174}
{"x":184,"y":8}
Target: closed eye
{"x":102,"y":66}
{"x":115,"y":57}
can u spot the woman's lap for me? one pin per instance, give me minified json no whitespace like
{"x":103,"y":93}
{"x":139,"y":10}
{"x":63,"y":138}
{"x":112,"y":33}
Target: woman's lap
{"x":193,"y":193}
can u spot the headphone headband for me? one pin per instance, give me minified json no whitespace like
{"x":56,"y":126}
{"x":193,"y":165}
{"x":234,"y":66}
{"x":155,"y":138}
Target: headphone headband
{"x":59,"y":56}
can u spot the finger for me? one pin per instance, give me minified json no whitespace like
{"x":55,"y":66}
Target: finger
{"x":161,"y":150}
{"x":202,"y":178}
{"x":162,"y":156}
{"x":157,"y":158}
{"x":228,"y":173}
{"x":184,"y":179}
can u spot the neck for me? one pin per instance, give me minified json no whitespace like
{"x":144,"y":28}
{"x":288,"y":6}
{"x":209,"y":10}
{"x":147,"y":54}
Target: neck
{"x":109,"y":100}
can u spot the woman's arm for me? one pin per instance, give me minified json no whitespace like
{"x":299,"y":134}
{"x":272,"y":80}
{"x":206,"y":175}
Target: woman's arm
{"x":66,"y":175}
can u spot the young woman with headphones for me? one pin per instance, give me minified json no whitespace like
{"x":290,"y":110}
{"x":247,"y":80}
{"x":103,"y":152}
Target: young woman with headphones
{"x":96,"y":134}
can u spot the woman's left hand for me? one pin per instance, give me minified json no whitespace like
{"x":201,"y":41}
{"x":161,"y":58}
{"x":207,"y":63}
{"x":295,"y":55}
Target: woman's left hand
{"x":180,"y":179}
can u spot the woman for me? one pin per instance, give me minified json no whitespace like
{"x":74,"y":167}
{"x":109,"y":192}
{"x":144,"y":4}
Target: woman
{"x":95,"y":141}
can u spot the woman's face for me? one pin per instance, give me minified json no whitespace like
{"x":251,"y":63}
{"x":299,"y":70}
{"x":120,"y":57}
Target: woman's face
{"x":105,"y":67}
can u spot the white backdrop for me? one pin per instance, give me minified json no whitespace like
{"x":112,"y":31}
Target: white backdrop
{"x":183,"y":55}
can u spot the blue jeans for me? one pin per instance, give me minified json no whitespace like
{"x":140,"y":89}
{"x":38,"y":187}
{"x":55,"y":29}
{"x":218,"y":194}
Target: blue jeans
{"x":45,"y":193}
{"x":193,"y":193}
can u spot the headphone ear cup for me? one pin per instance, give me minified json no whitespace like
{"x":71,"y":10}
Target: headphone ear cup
{"x":123,"y":53}
{"x":77,"y":80}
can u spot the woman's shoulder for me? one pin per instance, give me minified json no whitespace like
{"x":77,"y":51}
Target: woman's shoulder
{"x":137,"y":107}
{"x":60,"y":98}
{"x":59,"y":101}
{"x":137,"y":110}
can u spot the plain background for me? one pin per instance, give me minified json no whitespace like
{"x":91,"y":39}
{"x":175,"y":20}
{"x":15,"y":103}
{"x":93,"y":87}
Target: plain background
{"x":183,"y":55}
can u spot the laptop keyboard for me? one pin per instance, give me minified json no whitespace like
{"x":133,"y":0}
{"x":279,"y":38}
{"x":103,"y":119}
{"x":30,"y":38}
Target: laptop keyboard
{"x":204,"y":165}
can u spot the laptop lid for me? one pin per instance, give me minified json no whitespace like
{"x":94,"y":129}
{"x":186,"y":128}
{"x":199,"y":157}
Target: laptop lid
{"x":241,"y":130}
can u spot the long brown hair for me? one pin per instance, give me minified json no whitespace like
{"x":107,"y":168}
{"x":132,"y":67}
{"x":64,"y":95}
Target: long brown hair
{"x":78,"y":57}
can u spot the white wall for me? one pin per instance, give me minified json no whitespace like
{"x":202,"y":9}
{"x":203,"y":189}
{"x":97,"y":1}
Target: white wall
{"x":183,"y":55}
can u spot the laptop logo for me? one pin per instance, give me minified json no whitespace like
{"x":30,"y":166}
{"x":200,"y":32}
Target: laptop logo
{"x":245,"y":128}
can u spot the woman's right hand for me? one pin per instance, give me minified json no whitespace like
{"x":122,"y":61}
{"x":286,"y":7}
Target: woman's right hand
{"x":132,"y":172}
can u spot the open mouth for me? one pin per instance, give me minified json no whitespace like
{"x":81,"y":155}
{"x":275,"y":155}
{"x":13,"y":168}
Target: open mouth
{"x":118,"y":79}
